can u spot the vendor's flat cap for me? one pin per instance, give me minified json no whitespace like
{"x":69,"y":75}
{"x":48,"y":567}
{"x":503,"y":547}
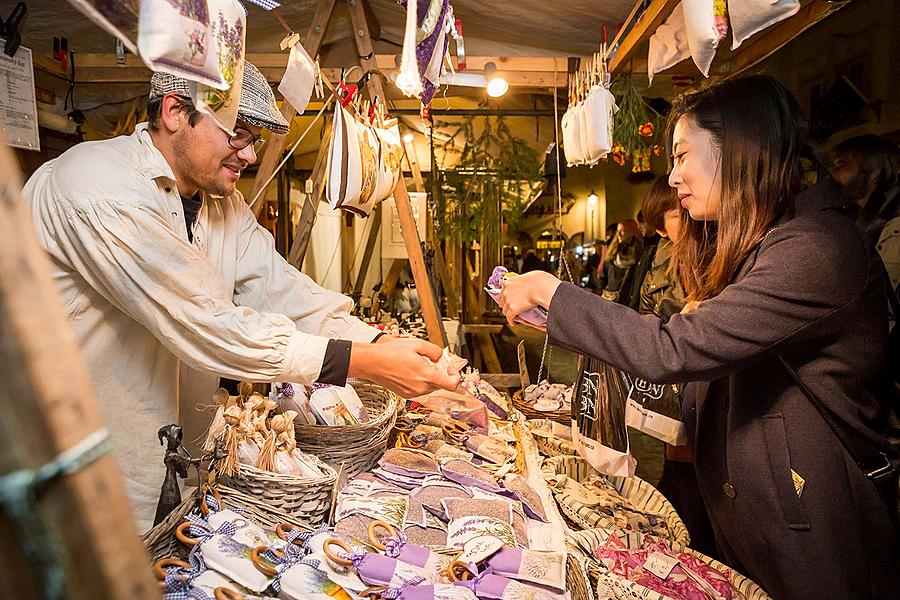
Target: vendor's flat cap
{"x":257,"y":105}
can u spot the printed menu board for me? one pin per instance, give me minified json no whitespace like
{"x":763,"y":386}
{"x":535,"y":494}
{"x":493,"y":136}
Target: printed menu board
{"x":18,"y":109}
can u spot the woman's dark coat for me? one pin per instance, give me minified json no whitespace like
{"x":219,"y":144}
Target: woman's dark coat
{"x":815,"y":293}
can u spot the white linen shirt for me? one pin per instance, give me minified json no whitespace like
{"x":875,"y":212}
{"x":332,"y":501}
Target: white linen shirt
{"x":141,"y":297}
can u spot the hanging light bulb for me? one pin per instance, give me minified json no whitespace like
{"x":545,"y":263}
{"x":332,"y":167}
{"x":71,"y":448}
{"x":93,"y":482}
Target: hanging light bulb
{"x":497,"y":85}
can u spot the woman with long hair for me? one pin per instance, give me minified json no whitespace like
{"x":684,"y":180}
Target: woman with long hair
{"x":789,"y":316}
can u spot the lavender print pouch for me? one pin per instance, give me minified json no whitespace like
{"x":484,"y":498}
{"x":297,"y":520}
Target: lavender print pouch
{"x":519,"y":488}
{"x":543,"y":568}
{"x":492,"y":449}
{"x":372,"y":568}
{"x":469,"y":475}
{"x":433,"y":492}
{"x":221,"y":552}
{"x":497,"y":587}
{"x":409,"y":462}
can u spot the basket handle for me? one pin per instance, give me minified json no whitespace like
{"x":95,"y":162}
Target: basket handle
{"x":183,"y":537}
{"x":223,"y":593}
{"x":262,"y":565}
{"x":326,"y":548}
{"x":215,"y":494}
{"x":374,"y":527}
{"x":160,"y":566}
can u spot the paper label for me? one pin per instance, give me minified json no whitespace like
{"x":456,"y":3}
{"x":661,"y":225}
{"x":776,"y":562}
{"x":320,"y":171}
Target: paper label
{"x":477,"y":549}
{"x":660,"y":564}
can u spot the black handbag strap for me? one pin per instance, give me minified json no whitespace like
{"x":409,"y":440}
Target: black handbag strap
{"x":874,"y":463}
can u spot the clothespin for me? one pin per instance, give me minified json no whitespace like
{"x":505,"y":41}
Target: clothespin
{"x":460,"y":46}
{"x":346,"y":92}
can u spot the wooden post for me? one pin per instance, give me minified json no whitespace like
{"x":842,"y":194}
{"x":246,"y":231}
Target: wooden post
{"x":436,"y":333}
{"x":375,"y":229}
{"x":272,"y":154}
{"x":46,"y":408}
{"x":363,"y":39}
{"x":310,"y":207}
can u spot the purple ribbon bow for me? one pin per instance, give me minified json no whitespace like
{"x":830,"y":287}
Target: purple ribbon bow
{"x":395,"y":593}
{"x":393,"y":545}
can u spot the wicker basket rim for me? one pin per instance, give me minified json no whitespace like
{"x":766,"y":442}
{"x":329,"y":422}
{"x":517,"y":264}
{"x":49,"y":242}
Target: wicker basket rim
{"x":330,"y":475}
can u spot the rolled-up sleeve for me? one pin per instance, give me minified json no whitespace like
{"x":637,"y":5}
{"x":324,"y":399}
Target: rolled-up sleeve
{"x":267,"y":282}
{"x":133,"y":258}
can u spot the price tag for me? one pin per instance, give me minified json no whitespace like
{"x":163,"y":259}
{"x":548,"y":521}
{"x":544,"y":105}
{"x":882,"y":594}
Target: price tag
{"x":480,"y":548}
{"x":660,"y":564}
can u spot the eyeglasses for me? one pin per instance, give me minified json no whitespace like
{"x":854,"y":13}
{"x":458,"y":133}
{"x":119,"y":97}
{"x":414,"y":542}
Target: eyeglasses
{"x":243,"y":138}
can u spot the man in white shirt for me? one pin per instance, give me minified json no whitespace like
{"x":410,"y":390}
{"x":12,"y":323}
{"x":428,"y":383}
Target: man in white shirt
{"x":159,"y":260}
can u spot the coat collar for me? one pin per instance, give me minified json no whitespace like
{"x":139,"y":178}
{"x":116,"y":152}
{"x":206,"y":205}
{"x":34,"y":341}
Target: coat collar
{"x":153,"y":164}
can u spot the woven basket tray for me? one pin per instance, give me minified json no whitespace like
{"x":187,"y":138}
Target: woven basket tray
{"x":547,"y":443}
{"x":160,"y":542}
{"x":644,"y":496}
{"x":589,"y":539}
{"x":357,"y":447}
{"x":306,"y":498}
{"x":577,"y":582}
{"x":560,"y":416}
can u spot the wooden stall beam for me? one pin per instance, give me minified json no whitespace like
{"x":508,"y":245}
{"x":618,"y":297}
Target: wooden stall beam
{"x":644,"y":27}
{"x":47,"y":408}
{"x":273,"y":152}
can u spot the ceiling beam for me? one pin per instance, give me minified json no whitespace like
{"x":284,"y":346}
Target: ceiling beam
{"x":538,"y":71}
{"x":644,"y":27}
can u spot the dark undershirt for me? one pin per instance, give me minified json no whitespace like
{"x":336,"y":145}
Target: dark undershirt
{"x":336,"y":363}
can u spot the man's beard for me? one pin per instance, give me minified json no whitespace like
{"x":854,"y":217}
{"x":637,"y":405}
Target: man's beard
{"x":204,"y":182}
{"x":856,"y":189}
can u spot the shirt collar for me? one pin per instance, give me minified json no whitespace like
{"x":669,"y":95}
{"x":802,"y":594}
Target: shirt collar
{"x":153,"y":163}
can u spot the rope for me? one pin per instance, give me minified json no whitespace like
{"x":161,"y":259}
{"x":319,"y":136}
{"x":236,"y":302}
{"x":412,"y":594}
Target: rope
{"x":289,"y":153}
{"x":18,"y":494}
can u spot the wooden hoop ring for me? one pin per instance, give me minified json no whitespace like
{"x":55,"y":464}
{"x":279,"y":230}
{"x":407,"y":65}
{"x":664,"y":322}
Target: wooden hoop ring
{"x":159,"y":567}
{"x":373,"y":592}
{"x":215,"y":494}
{"x":451,"y":571}
{"x":326,"y":548}
{"x":223,"y":593}
{"x":182,"y":536}
{"x":261,"y":565}
{"x":374,"y":526}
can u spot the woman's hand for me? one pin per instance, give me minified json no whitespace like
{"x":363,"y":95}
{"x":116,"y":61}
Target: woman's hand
{"x":527,"y":291}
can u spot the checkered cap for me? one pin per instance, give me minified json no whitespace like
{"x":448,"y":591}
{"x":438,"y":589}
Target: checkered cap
{"x":257,"y":105}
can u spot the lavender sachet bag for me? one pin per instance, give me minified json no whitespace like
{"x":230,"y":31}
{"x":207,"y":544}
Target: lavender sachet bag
{"x":536,"y":317}
{"x":496,"y":587}
{"x":518,"y":487}
{"x":541,"y":567}
{"x":468,"y":475}
{"x":409,"y":462}
{"x":372,"y":568}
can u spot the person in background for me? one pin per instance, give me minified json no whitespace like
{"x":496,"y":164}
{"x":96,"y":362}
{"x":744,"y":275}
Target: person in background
{"x":789,"y":314}
{"x":663,"y":295}
{"x":617,"y":271}
{"x":867,"y":167}
{"x":531,"y":262}
{"x":160,"y":261}
{"x":631,"y":293}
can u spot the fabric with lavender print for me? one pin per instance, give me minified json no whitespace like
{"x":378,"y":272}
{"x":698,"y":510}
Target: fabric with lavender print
{"x":179,"y":37}
{"x":535,"y":566}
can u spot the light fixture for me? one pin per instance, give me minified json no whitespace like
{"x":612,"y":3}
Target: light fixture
{"x":496,"y":85}
{"x":592,"y":200}
{"x":407,"y":138}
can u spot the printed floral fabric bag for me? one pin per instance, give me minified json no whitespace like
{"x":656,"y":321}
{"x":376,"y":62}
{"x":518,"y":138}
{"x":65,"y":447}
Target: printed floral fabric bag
{"x":352,"y":164}
{"x":229,"y":30}
{"x":177,"y":37}
{"x":598,"y":418}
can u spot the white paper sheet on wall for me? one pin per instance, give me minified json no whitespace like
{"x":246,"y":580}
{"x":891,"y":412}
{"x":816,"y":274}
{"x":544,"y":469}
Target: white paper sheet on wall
{"x":392,"y":244}
{"x":18,"y":108}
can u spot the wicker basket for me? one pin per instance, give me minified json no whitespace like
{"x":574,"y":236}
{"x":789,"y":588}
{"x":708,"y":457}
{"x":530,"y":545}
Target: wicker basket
{"x":160,"y":541}
{"x":306,"y":498}
{"x":598,"y":573}
{"x":644,"y":496}
{"x":356,"y":447}
{"x":560,"y":416}
{"x":547,"y":443}
{"x":577,"y":582}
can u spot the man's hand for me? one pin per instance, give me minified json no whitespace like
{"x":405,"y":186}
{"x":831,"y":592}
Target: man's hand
{"x":527,"y":291}
{"x":405,"y":366}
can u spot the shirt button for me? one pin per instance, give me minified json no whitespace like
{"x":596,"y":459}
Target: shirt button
{"x":729,"y":490}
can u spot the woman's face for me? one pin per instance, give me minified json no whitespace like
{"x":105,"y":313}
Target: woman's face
{"x":695,"y":170}
{"x":671,"y":221}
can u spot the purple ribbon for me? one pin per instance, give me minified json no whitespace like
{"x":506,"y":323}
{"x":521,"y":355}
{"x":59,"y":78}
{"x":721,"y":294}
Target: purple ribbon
{"x":394,"y":593}
{"x":286,"y":390}
{"x":393,"y":545}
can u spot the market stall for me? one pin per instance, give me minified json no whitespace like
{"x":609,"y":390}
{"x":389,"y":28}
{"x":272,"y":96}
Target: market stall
{"x":503,"y":488}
